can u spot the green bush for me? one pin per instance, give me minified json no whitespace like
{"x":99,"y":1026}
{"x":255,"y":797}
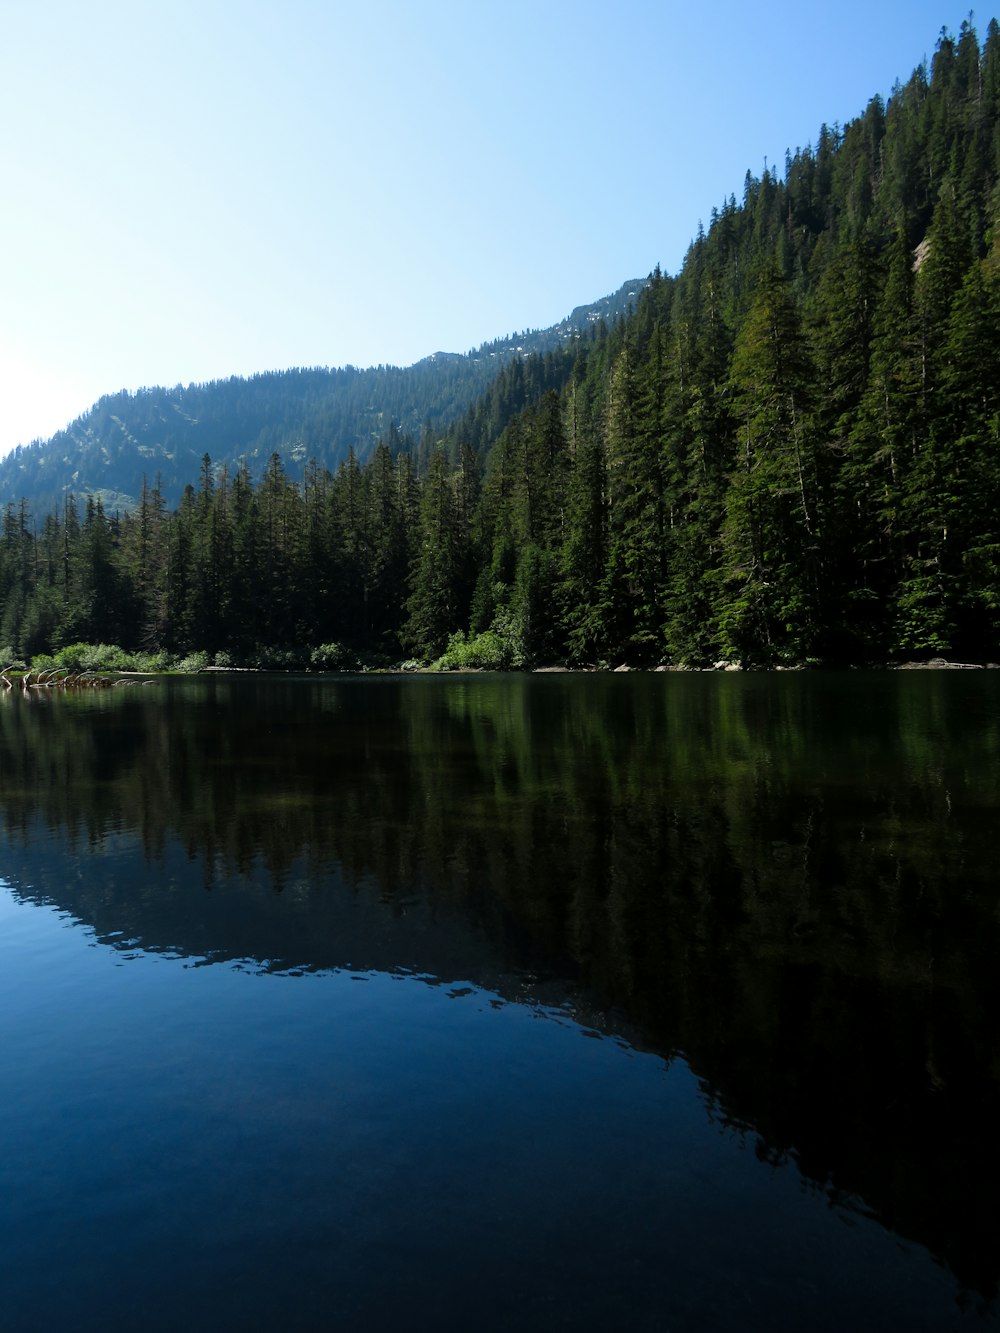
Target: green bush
{"x":332,"y":657}
{"x":489,"y":651}
{"x":100,"y":657}
{"x":194,"y":662}
{"x":93,"y":657}
{"x":153,"y":663}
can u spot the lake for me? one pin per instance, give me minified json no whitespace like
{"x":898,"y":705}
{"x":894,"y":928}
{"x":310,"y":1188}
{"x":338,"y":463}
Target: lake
{"x":641,"y":1001}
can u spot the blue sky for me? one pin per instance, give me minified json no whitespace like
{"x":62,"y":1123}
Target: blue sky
{"x":194,"y":190}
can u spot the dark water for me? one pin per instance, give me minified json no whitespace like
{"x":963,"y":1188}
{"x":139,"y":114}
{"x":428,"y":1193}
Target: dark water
{"x":654,"y":1002}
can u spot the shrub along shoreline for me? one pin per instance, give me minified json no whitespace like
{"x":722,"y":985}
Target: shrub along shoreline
{"x":476,"y":654}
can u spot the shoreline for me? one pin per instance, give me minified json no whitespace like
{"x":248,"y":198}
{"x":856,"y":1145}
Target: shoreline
{"x":551,"y":669}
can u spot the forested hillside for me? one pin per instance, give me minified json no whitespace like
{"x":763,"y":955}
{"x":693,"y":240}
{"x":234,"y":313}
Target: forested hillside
{"x":303,"y":414}
{"x":787,"y":452}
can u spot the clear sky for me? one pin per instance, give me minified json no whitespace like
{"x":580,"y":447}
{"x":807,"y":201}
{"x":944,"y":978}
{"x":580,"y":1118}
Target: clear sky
{"x":199,"y":188}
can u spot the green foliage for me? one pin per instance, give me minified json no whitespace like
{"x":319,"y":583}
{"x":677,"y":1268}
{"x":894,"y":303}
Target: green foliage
{"x":495,"y":649}
{"x":93,"y":657}
{"x":103,"y":657}
{"x":922,"y":623}
{"x":152,"y":663}
{"x":434,"y":607}
{"x":194,"y":662}
{"x":333,"y":657}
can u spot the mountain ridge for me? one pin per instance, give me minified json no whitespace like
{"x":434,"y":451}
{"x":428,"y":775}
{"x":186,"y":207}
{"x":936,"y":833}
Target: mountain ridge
{"x":300,"y":413}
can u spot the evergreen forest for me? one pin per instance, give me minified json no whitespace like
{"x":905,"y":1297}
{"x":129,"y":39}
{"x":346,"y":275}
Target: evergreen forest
{"x":789,"y":452}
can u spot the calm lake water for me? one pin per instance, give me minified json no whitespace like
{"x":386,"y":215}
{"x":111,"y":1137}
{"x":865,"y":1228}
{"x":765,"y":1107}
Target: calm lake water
{"x":591,"y":1002}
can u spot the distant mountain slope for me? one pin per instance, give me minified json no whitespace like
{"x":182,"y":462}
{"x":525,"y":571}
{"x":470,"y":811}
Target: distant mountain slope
{"x":301,"y":414}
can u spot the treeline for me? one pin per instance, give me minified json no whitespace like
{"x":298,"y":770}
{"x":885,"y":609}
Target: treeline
{"x":268,"y":573}
{"x":790,"y":451}
{"x":300,"y":414}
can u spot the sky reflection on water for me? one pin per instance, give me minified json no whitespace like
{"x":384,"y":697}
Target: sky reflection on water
{"x":217,"y":1147}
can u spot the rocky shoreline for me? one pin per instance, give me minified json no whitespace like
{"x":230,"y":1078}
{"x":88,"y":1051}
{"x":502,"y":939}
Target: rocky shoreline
{"x":932,"y":664}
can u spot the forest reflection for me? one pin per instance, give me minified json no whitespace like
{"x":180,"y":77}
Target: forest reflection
{"x":789,"y":880}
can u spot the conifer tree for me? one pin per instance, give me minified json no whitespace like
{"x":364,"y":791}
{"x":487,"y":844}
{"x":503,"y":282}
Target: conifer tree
{"x":433,"y":606}
{"x":770,"y":608}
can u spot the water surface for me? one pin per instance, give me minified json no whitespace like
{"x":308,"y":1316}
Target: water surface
{"x":532,"y":1001}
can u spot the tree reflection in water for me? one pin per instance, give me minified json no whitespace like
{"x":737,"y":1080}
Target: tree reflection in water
{"x":790,"y":880}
